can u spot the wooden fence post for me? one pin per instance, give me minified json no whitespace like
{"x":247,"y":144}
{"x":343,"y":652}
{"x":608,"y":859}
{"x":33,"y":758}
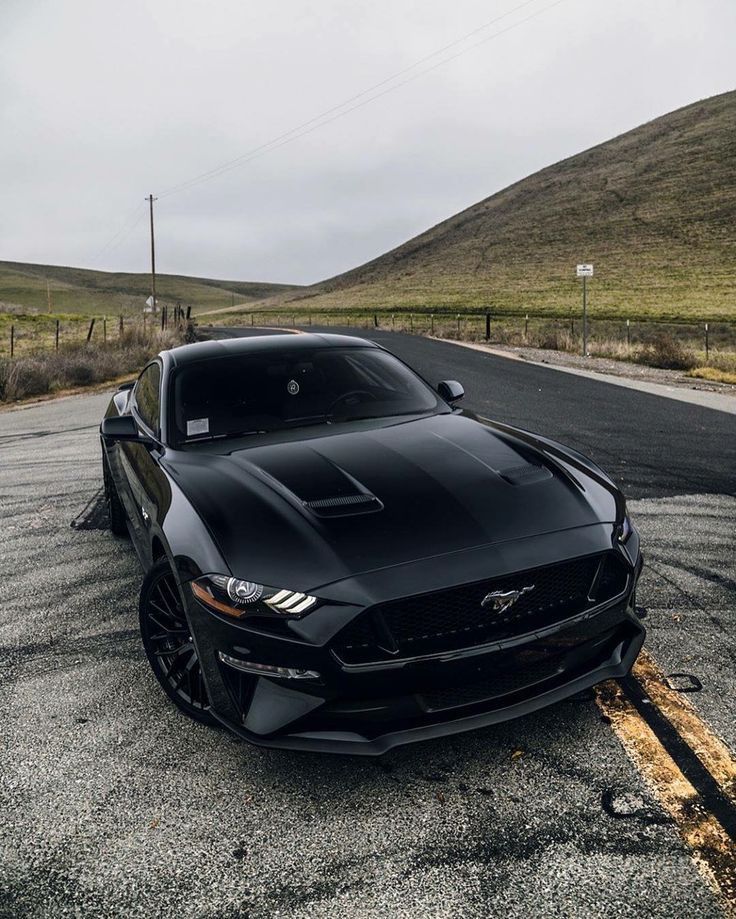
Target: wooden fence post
{"x":526,"y":327}
{"x":707,"y":344}
{"x":57,"y":336}
{"x":104,"y":330}
{"x":431,"y":323}
{"x":488,"y":326}
{"x":12,"y":340}
{"x":628,"y":333}
{"x":91,"y":327}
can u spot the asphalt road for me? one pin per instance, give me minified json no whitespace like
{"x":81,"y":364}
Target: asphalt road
{"x":112,"y":804}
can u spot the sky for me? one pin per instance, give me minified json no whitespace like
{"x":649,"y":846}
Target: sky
{"x":104,"y":102}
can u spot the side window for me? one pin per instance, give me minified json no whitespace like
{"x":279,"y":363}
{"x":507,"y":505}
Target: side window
{"x":147,"y":399}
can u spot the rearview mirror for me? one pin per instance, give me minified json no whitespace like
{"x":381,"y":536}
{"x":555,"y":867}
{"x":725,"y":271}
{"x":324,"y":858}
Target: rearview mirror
{"x":122,"y":428}
{"x":450,"y":390}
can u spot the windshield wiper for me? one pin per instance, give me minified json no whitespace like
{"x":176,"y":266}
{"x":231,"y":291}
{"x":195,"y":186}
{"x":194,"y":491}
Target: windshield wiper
{"x":203,"y":440}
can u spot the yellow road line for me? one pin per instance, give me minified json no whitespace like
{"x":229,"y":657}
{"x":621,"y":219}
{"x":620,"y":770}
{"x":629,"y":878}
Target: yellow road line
{"x":678,"y":710}
{"x":713,"y":850}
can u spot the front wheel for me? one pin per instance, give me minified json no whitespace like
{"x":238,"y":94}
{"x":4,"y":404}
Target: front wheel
{"x":168,"y":643}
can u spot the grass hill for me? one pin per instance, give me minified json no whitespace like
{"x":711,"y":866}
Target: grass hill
{"x":653,"y":209}
{"x":23,"y":288}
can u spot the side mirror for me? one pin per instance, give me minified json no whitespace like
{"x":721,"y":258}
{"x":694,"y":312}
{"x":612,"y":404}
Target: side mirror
{"x":123,"y":428}
{"x":450,"y":390}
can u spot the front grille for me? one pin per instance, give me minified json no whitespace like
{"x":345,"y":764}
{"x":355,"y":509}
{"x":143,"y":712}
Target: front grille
{"x":454,"y":619}
{"x":491,"y":687}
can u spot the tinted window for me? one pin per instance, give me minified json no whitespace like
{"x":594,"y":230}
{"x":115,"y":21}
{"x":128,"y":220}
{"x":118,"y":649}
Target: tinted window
{"x":147,"y":396}
{"x":273,"y":391}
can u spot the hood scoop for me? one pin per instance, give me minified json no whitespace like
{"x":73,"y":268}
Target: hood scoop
{"x":317,"y":483}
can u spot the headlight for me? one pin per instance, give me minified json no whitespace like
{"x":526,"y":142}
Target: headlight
{"x":237,"y":598}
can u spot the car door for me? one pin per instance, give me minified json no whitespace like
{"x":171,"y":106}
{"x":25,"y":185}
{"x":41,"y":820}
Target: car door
{"x":149,"y":489}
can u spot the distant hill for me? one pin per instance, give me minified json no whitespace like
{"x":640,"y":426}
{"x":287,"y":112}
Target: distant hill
{"x":79,"y":290}
{"x":653,"y":209}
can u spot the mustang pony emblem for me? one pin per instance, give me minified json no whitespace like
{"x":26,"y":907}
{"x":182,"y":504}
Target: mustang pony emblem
{"x":501,"y":600}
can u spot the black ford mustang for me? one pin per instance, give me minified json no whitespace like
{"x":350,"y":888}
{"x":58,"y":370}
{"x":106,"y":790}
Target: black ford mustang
{"x":338,"y":558}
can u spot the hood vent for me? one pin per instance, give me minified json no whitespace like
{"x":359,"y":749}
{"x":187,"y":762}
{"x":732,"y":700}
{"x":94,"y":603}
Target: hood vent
{"x":344,"y":505}
{"x":528,"y":474}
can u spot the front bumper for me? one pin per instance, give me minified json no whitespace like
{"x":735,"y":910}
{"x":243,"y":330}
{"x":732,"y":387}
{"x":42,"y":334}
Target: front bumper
{"x":368,"y":709}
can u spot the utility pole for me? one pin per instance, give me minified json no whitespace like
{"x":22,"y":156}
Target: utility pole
{"x":151,"y":199}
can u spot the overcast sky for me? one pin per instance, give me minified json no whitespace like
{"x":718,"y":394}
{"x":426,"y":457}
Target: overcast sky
{"x":103,"y":101}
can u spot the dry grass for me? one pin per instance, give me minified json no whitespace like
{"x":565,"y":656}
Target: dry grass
{"x":713,"y":374}
{"x":82,"y":365}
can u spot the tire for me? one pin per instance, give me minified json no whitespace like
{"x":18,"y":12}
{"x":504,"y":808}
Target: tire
{"x":115,"y":507}
{"x":168,"y":644}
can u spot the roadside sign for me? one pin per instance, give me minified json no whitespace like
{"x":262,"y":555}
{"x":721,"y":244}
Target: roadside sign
{"x":149,"y":302}
{"x":585,"y":271}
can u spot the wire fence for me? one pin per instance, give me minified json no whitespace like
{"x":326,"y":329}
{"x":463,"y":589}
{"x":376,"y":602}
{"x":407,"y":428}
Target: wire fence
{"x":539,"y":331}
{"x":30,"y":335}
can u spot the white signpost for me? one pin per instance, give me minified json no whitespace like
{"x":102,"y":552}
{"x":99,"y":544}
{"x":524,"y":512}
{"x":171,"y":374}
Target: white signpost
{"x":585,"y":271}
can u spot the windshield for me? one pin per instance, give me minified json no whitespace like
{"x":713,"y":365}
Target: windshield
{"x":274,"y":391}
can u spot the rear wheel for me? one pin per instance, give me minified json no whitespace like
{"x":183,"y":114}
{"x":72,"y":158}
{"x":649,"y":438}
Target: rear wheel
{"x":115,"y":507}
{"x":168,"y":643}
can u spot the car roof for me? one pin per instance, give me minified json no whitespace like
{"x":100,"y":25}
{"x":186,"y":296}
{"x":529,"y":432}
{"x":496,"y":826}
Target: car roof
{"x":253,"y":344}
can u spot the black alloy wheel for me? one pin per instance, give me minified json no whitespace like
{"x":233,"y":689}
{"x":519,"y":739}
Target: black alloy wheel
{"x":115,"y":507}
{"x":168,"y":643}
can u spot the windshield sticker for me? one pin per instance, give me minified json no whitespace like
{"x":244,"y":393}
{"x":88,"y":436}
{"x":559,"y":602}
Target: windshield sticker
{"x":198,"y":426}
{"x":293,"y":387}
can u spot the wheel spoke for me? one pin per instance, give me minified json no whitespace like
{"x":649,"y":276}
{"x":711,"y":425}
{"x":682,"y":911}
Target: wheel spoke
{"x":162,"y":625}
{"x":174,"y":594}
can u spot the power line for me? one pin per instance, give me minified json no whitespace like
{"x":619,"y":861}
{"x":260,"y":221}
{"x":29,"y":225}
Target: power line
{"x":126,"y":228}
{"x":346,"y":107}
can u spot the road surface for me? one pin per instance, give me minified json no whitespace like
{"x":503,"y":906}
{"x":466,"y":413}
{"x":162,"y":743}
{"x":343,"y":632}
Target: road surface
{"x":112,"y":804}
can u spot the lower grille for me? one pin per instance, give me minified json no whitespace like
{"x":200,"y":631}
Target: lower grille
{"x":456,"y":618}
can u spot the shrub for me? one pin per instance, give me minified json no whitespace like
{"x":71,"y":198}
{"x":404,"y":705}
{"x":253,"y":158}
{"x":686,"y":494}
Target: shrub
{"x":665,"y":351}
{"x":82,"y":365}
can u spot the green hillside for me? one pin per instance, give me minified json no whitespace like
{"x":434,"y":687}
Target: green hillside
{"x":653,"y":209}
{"x":23,"y":288}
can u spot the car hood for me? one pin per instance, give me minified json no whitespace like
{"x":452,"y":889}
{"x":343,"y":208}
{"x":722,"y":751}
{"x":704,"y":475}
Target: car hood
{"x":304,"y":513}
